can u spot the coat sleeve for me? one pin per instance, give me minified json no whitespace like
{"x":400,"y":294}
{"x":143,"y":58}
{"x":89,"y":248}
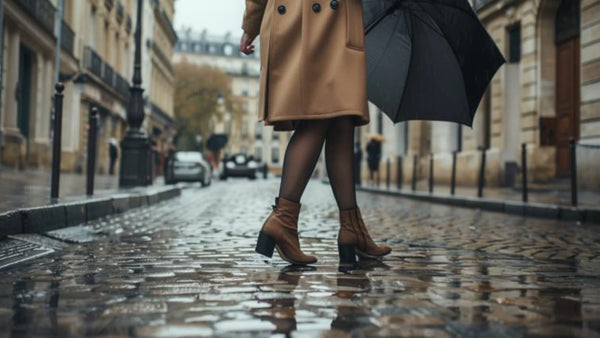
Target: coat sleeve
{"x":255,"y":9}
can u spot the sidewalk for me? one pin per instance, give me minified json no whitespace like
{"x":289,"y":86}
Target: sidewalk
{"x":549,"y":204}
{"x":31,"y":188}
{"x":555,"y":194}
{"x":26,"y":206}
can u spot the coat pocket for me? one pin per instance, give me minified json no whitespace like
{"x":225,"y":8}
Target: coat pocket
{"x":355,"y":33}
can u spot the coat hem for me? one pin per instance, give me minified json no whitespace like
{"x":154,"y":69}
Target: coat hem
{"x":287,"y":123}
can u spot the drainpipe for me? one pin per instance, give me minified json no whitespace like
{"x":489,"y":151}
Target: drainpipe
{"x":58,"y":31}
{"x":58,"y":18}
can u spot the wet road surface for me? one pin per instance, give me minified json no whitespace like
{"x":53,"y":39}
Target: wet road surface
{"x":187,"y":268}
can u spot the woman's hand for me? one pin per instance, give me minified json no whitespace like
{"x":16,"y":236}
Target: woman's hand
{"x":246,"y":45}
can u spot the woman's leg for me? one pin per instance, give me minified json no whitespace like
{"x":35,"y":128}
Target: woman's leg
{"x":301,"y":156}
{"x":339,"y":152}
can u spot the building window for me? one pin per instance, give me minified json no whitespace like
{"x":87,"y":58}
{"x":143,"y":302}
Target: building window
{"x":379,"y":121}
{"x":258,"y":153}
{"x":275,"y":155}
{"x":514,"y":44}
{"x":92,"y":29}
{"x":568,"y":20}
{"x":259,"y":130}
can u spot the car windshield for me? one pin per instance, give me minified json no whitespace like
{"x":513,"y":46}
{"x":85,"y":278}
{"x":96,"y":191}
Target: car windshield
{"x":188,"y":156}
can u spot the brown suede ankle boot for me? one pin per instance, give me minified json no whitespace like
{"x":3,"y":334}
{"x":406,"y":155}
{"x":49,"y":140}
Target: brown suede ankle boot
{"x":354,"y":239}
{"x":280,"y":231}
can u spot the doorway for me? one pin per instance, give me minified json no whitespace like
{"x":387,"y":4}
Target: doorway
{"x":568,"y":62}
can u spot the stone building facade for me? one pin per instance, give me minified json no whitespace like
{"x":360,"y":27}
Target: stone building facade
{"x":96,"y":66}
{"x":246,"y":135}
{"x":159,"y":76}
{"x":28,"y":51}
{"x":547,"y":93}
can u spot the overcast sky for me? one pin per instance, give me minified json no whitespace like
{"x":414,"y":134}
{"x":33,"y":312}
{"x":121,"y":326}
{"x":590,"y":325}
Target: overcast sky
{"x":218,"y":17}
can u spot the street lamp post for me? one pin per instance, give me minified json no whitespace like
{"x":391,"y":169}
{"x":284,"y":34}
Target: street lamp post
{"x":136,"y":150}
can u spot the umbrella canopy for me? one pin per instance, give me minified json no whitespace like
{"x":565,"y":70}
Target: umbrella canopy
{"x":427,"y":59}
{"x":216,"y":142}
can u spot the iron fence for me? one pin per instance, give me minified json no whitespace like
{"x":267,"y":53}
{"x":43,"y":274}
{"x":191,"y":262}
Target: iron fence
{"x":42,"y":10}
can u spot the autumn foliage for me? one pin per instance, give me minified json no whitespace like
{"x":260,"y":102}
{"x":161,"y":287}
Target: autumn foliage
{"x":198,"y":89}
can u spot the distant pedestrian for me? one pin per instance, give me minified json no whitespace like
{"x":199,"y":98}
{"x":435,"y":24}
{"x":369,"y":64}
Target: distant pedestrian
{"x":374,"y":157}
{"x":113,"y":154}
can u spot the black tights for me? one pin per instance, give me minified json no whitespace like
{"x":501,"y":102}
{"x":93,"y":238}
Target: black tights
{"x":303,"y":152}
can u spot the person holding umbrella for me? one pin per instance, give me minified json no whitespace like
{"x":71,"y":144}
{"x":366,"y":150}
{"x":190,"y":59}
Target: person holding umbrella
{"x":314,"y":79}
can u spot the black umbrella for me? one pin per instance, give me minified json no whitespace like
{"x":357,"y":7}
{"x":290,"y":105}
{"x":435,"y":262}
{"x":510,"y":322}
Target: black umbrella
{"x":216,"y":142}
{"x":427,"y":59}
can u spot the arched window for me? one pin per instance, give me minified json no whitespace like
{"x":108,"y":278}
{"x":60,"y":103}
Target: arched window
{"x":568,"y":20}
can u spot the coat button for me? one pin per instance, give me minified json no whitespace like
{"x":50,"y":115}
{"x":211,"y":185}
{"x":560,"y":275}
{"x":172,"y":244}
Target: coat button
{"x":281,"y":9}
{"x":334,"y":4}
{"x":316,"y":7}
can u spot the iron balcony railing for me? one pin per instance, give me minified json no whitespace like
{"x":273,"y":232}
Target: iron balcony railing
{"x":44,"y":13}
{"x":109,"y":75}
{"x":67,"y":40}
{"x":42,"y":10}
{"x":122,"y":86}
{"x":95,"y":65}
{"x":93,"y":62}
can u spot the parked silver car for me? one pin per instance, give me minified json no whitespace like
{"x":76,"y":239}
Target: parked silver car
{"x":189,"y":166}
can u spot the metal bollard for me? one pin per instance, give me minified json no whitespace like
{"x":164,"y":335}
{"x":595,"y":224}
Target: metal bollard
{"x":524,"y":172}
{"x":388,"y":171}
{"x":56,"y":139}
{"x":265,"y":171}
{"x":481,"y":182}
{"x":414,"y":176}
{"x":399,"y":173}
{"x":573,"y":147}
{"x":431,"y":173}
{"x":453,"y":178}
{"x":91,"y":151}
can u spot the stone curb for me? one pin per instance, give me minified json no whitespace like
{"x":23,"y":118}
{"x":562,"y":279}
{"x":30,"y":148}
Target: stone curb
{"x":539,"y":210}
{"x":61,"y":215}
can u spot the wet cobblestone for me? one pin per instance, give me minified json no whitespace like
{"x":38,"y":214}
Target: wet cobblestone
{"x":187,"y":268}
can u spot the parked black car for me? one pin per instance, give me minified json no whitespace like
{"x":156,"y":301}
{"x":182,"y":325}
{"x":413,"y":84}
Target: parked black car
{"x":240,"y":165}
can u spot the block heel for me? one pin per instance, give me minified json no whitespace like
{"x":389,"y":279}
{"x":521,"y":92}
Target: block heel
{"x":347,"y":253}
{"x":265,"y":245}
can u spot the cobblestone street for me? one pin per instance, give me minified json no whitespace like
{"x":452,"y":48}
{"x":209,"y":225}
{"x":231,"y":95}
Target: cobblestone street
{"x":187,"y":267}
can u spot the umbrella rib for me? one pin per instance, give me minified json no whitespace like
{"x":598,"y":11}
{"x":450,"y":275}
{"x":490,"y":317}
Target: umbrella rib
{"x":440,"y":33}
{"x":381,"y":16}
{"x":410,"y":62}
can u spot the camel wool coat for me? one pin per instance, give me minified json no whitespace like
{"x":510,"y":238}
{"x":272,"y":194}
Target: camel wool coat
{"x":312,"y":60}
